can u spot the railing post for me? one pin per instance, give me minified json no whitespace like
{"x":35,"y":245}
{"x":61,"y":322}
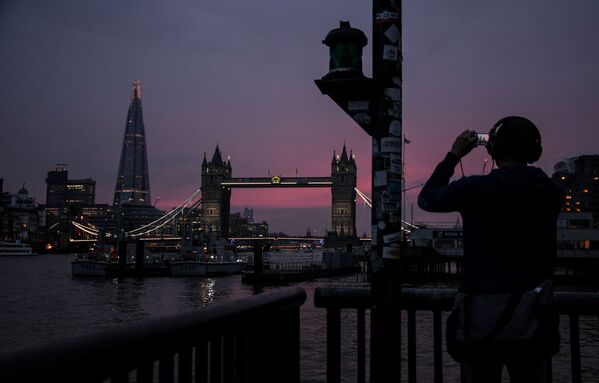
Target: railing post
{"x":361,"y":345}
{"x":293,"y":341}
{"x":411,"y":346}
{"x":575,"y":348}
{"x":228,"y":358}
{"x":438,"y":346}
{"x":333,"y":345}
{"x":185,"y":365}
{"x":216,"y":359}
{"x":201,"y":362}
{"x":166,"y":368}
{"x":145,"y":372}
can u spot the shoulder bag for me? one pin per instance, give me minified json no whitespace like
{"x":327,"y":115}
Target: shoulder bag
{"x":523,"y":324}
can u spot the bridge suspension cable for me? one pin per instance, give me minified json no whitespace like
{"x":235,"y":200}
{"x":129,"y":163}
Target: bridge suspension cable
{"x":368,"y":202}
{"x":152,"y":226}
{"x":167,"y":218}
{"x":84,"y":228}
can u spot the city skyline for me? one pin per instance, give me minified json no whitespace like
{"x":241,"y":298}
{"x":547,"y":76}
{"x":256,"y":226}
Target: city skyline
{"x":241,"y":76}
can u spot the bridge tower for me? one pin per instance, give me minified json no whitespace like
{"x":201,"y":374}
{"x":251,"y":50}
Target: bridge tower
{"x":216,"y":198}
{"x":343,"y":176}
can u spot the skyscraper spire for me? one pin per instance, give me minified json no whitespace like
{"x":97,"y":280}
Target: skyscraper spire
{"x":136,"y":90}
{"x":133,"y":179}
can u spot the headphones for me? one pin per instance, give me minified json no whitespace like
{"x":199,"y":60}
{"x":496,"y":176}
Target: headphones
{"x":515,"y":136}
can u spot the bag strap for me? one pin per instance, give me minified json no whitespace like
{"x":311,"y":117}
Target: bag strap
{"x":506,"y":315}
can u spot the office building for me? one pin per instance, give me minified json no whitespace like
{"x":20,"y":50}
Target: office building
{"x":580,"y":177}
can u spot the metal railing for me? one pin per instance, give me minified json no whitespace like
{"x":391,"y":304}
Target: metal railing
{"x":570,"y":304}
{"x":247,"y":340}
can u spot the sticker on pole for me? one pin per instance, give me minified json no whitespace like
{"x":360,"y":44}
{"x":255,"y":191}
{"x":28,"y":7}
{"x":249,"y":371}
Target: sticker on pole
{"x":395,"y":164}
{"x":394,"y":110}
{"x":375,"y":147}
{"x":393,"y":93}
{"x":357,"y":105}
{"x":386,"y":17}
{"x":392,"y":238}
{"x":390,"y":52}
{"x":377,"y":262}
{"x":362,"y":118}
{"x":390,"y":206}
{"x":373,"y":234}
{"x":393,"y":34}
{"x":394,"y":187}
{"x":391,"y":252}
{"x":391,"y":144}
{"x":380,"y":178}
{"x":395,"y":128}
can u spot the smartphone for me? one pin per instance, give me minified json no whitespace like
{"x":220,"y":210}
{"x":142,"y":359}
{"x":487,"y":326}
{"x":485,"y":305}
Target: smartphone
{"x":482,"y":139}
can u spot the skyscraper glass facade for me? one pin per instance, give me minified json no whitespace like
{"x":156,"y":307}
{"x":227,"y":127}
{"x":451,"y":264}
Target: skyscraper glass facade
{"x":133,"y":179}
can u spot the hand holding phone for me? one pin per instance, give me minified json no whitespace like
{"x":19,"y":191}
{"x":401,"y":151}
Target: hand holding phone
{"x":482,"y":139}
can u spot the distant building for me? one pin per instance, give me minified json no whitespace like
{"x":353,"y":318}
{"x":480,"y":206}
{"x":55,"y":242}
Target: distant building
{"x":133,"y":178}
{"x":20,"y":217}
{"x":343,"y":190}
{"x":63,"y":192}
{"x":66,"y":201}
{"x":576,"y":235}
{"x":257,"y":229}
{"x":239,"y":226}
{"x":132,"y":196}
{"x":216,"y":198}
{"x":248,"y":214}
{"x":580,"y":177}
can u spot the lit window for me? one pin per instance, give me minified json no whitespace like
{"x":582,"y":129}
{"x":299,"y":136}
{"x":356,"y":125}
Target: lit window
{"x":585,"y":190}
{"x":568,"y":197}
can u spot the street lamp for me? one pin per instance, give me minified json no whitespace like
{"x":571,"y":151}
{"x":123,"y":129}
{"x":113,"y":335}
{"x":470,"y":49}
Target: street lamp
{"x":375,"y":104}
{"x":345,"y":83}
{"x":345,"y":45}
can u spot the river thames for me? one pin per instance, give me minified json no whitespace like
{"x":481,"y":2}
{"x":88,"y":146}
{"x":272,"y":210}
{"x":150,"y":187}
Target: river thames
{"x":40,"y":302}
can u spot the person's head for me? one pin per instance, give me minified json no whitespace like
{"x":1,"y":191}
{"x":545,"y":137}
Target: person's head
{"x":515,"y":139}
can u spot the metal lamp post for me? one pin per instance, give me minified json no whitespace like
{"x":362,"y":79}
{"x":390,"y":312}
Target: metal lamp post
{"x":376,"y":105}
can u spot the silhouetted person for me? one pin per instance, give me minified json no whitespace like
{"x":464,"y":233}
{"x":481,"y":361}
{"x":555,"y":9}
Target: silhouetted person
{"x":509,"y":219}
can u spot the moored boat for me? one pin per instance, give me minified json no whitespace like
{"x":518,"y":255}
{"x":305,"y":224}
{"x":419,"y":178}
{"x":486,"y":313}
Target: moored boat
{"x":15,"y":249}
{"x":205,"y":269}
{"x":92,"y":265}
{"x":206,"y":266}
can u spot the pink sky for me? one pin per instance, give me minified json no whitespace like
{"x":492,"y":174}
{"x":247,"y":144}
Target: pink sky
{"x":241,"y":74}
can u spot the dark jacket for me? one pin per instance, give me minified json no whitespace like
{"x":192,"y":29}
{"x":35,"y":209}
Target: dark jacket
{"x":510,"y":218}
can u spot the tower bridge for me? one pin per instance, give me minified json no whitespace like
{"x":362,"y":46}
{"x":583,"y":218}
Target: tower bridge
{"x":217,"y":184}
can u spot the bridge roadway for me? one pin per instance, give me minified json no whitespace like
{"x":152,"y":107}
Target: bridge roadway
{"x":278,"y":181}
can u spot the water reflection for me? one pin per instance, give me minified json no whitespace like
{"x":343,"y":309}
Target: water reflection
{"x":41,"y":302}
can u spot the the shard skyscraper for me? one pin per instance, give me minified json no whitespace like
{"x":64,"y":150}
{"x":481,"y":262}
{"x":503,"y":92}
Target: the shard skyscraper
{"x":133,"y":179}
